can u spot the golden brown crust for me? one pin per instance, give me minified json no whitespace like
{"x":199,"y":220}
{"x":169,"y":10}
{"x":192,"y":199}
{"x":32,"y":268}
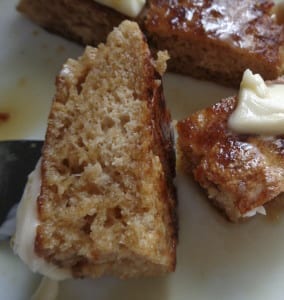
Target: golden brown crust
{"x":164,"y":149}
{"x":199,"y":35}
{"x":107,"y":202}
{"x":239,"y":172}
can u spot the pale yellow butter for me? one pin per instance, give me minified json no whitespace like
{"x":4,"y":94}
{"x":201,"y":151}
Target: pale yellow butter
{"x":260,"y":108}
{"x":131,"y":8}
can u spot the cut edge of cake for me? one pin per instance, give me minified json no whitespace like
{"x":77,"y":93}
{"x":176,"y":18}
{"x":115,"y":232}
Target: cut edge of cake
{"x":107,"y":203}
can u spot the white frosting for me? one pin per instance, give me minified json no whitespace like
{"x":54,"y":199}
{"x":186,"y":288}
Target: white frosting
{"x":47,"y":290}
{"x":258,"y":210}
{"x":26,"y":224}
{"x":131,"y":8}
{"x":260,"y":108}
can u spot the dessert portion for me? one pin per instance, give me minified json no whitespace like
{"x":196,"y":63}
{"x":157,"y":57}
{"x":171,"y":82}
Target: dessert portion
{"x":84,"y":21}
{"x":215,"y":40}
{"x":240,"y":167}
{"x":218,"y":39}
{"x":102,"y":199}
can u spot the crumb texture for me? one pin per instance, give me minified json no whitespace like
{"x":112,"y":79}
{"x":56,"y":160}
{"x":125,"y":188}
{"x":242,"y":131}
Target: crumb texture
{"x":107,"y":201}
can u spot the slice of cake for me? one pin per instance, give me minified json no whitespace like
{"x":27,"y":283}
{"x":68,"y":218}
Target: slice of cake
{"x":104,"y":203}
{"x":215,"y":40}
{"x":85,"y":21}
{"x":218,"y":39}
{"x":235,"y":149}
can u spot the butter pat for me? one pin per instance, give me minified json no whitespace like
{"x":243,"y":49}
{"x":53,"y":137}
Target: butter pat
{"x":260,"y":108}
{"x":131,"y":8}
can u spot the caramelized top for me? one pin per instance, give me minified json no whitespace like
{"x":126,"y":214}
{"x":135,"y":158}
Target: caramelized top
{"x":247,"y":169}
{"x":241,"y":23}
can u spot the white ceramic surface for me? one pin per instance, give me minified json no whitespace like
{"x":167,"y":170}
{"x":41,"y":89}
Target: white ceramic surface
{"x":216,"y":260}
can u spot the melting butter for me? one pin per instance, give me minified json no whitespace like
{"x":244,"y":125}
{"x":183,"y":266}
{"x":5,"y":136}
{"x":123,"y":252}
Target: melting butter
{"x":26,"y":225}
{"x":260,"y":108}
{"x":131,"y":8}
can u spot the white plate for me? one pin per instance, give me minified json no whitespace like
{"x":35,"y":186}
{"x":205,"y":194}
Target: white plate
{"x":215,"y":259}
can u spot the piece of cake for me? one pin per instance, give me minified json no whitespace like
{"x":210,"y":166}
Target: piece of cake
{"x":104,"y":203}
{"x":215,"y":40}
{"x":84,"y":21}
{"x":235,"y":149}
{"x":218,"y":39}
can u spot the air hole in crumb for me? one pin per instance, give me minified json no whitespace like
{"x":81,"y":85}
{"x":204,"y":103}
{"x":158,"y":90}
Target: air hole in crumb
{"x":65,"y":162}
{"x":216,"y":14}
{"x":63,"y":168}
{"x":92,"y":189}
{"x":117,"y":212}
{"x":113,"y":214}
{"x":78,"y":169}
{"x":124,"y":119}
{"x":107,"y":123}
{"x":69,"y":198}
{"x":88,"y":223}
{"x":72,"y":167}
{"x":144,"y":210}
{"x":81,"y":81}
{"x":80,"y":142}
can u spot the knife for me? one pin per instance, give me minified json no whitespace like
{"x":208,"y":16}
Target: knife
{"x":17,"y":160}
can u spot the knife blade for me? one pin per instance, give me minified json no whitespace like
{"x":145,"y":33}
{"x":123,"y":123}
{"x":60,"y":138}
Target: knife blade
{"x":17,"y":160}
